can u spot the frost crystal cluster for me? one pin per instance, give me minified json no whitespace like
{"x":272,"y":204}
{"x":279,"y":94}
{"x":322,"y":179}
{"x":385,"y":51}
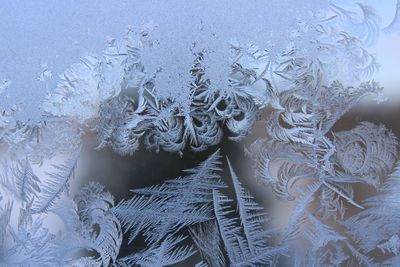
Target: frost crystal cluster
{"x":186,"y":93}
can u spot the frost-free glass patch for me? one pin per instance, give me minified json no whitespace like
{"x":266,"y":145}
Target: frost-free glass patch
{"x":208,"y":133}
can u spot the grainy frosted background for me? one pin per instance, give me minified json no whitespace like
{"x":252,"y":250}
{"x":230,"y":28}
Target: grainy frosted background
{"x":58,"y":33}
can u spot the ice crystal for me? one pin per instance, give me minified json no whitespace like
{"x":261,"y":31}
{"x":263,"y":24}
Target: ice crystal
{"x":212,"y":79}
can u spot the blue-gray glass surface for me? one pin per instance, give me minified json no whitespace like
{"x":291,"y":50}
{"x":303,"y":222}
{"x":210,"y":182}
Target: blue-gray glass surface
{"x":199,"y":133}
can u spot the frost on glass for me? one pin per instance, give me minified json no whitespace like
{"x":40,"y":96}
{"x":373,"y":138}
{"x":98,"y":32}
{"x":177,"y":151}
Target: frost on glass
{"x":179,"y":83}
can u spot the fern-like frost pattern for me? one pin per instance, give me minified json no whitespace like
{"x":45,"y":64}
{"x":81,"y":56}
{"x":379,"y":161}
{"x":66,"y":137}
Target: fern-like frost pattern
{"x":129,"y":98}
